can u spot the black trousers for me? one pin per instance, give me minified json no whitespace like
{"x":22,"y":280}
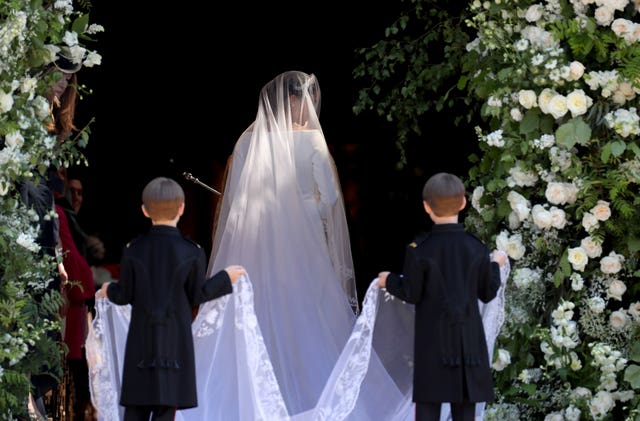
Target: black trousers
{"x":459,"y":411}
{"x":142,"y":413}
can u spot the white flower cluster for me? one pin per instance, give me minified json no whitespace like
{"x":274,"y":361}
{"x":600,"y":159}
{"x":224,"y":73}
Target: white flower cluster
{"x":530,"y":375}
{"x":624,"y":122}
{"x":523,"y":277}
{"x":31,"y":36}
{"x":609,"y":361}
{"x":564,"y":330}
{"x":13,"y":346}
{"x":521,"y":176}
{"x":511,"y":244}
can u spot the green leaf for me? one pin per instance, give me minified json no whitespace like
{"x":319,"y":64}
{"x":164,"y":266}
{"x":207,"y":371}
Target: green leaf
{"x":618,"y":147}
{"x":632,"y":375}
{"x":572,"y":132}
{"x":529,"y":122}
{"x":634,"y":245}
{"x":605,"y":153}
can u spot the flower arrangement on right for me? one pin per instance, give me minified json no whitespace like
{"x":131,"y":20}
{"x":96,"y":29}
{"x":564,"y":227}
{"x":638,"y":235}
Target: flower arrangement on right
{"x":556,"y":187}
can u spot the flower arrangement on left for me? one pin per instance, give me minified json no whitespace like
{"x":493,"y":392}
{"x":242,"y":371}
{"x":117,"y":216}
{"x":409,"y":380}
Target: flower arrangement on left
{"x":32,"y":36}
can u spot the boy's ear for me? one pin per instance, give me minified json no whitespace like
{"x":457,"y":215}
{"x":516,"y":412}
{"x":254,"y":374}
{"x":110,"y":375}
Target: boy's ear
{"x":427,"y":208}
{"x":144,"y":211}
{"x":181,"y":209}
{"x":464,"y":202}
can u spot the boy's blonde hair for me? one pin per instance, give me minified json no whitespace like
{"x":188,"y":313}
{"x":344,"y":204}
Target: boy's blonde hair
{"x":162,"y":198}
{"x":444,"y":193}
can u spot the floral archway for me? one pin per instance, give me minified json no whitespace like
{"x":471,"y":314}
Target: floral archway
{"x":554,"y":86}
{"x":31,"y":35}
{"x":557,"y":188}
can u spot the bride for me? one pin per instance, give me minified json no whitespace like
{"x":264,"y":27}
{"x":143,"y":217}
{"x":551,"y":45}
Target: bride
{"x":290,"y":343}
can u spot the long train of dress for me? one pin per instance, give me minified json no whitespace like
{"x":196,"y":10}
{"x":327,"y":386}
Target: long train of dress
{"x":370,"y":380}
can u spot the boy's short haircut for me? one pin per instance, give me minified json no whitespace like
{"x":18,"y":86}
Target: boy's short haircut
{"x":162,"y":198}
{"x":444,"y":193}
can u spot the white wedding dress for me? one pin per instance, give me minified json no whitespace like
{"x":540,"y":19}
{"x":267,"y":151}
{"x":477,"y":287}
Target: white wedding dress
{"x":290,"y":342}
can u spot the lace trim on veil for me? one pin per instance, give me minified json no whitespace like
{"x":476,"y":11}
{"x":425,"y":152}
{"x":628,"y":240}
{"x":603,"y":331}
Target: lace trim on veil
{"x":105,"y":349}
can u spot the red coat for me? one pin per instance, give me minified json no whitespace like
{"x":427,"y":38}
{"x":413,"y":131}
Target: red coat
{"x":81,"y":288}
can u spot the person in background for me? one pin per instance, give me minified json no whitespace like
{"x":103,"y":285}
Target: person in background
{"x":162,"y":277}
{"x":77,"y":291}
{"x":79,"y":288}
{"x":90,"y":245}
{"x":445,"y":273}
{"x":76,"y":192}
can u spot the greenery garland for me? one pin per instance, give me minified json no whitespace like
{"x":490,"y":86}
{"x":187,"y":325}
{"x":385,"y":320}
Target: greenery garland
{"x":552,"y":88}
{"x":31,"y":34}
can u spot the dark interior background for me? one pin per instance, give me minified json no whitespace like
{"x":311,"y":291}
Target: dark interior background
{"x":177,"y":86}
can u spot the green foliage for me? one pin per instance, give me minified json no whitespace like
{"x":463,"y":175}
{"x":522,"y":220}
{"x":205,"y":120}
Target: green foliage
{"x":555,"y":184}
{"x":31,"y":33}
{"x":414,"y":70}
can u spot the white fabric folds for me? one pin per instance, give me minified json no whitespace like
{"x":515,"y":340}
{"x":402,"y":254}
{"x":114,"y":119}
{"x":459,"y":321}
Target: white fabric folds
{"x":370,"y":380}
{"x":290,"y":343}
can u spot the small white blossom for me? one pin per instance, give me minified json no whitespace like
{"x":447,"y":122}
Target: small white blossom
{"x":502,"y":360}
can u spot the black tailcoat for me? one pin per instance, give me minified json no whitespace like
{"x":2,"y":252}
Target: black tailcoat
{"x":445,"y":273}
{"x":162,"y":276}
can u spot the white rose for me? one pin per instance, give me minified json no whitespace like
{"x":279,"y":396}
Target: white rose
{"x":621,"y":26}
{"x":581,"y":393}
{"x":560,"y":193}
{"x":555,"y":193}
{"x":534,"y":13}
{"x":541,"y":217}
{"x":527,"y":98}
{"x":603,"y":15}
{"x":515,"y":249}
{"x":571,"y":192}
{"x":6,"y":102}
{"x":576,"y":70}
{"x":578,"y":258}
{"x":554,"y":416}
{"x":519,"y":204}
{"x":544,"y":98}
{"x":634,"y":310}
{"x":601,"y":210}
{"x":558,"y":106}
{"x":578,"y":102}
{"x":601,"y":404}
{"x":592,"y":246}
{"x":502,"y":361}
{"x":476,"y":197}
{"x":616,"y":289}
{"x":612,"y":263}
{"x":515,"y":114}
{"x":618,"y":319}
{"x":502,"y":240}
{"x":589,"y":221}
{"x":558,"y":218}
{"x":618,"y":98}
{"x":14,"y":140}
